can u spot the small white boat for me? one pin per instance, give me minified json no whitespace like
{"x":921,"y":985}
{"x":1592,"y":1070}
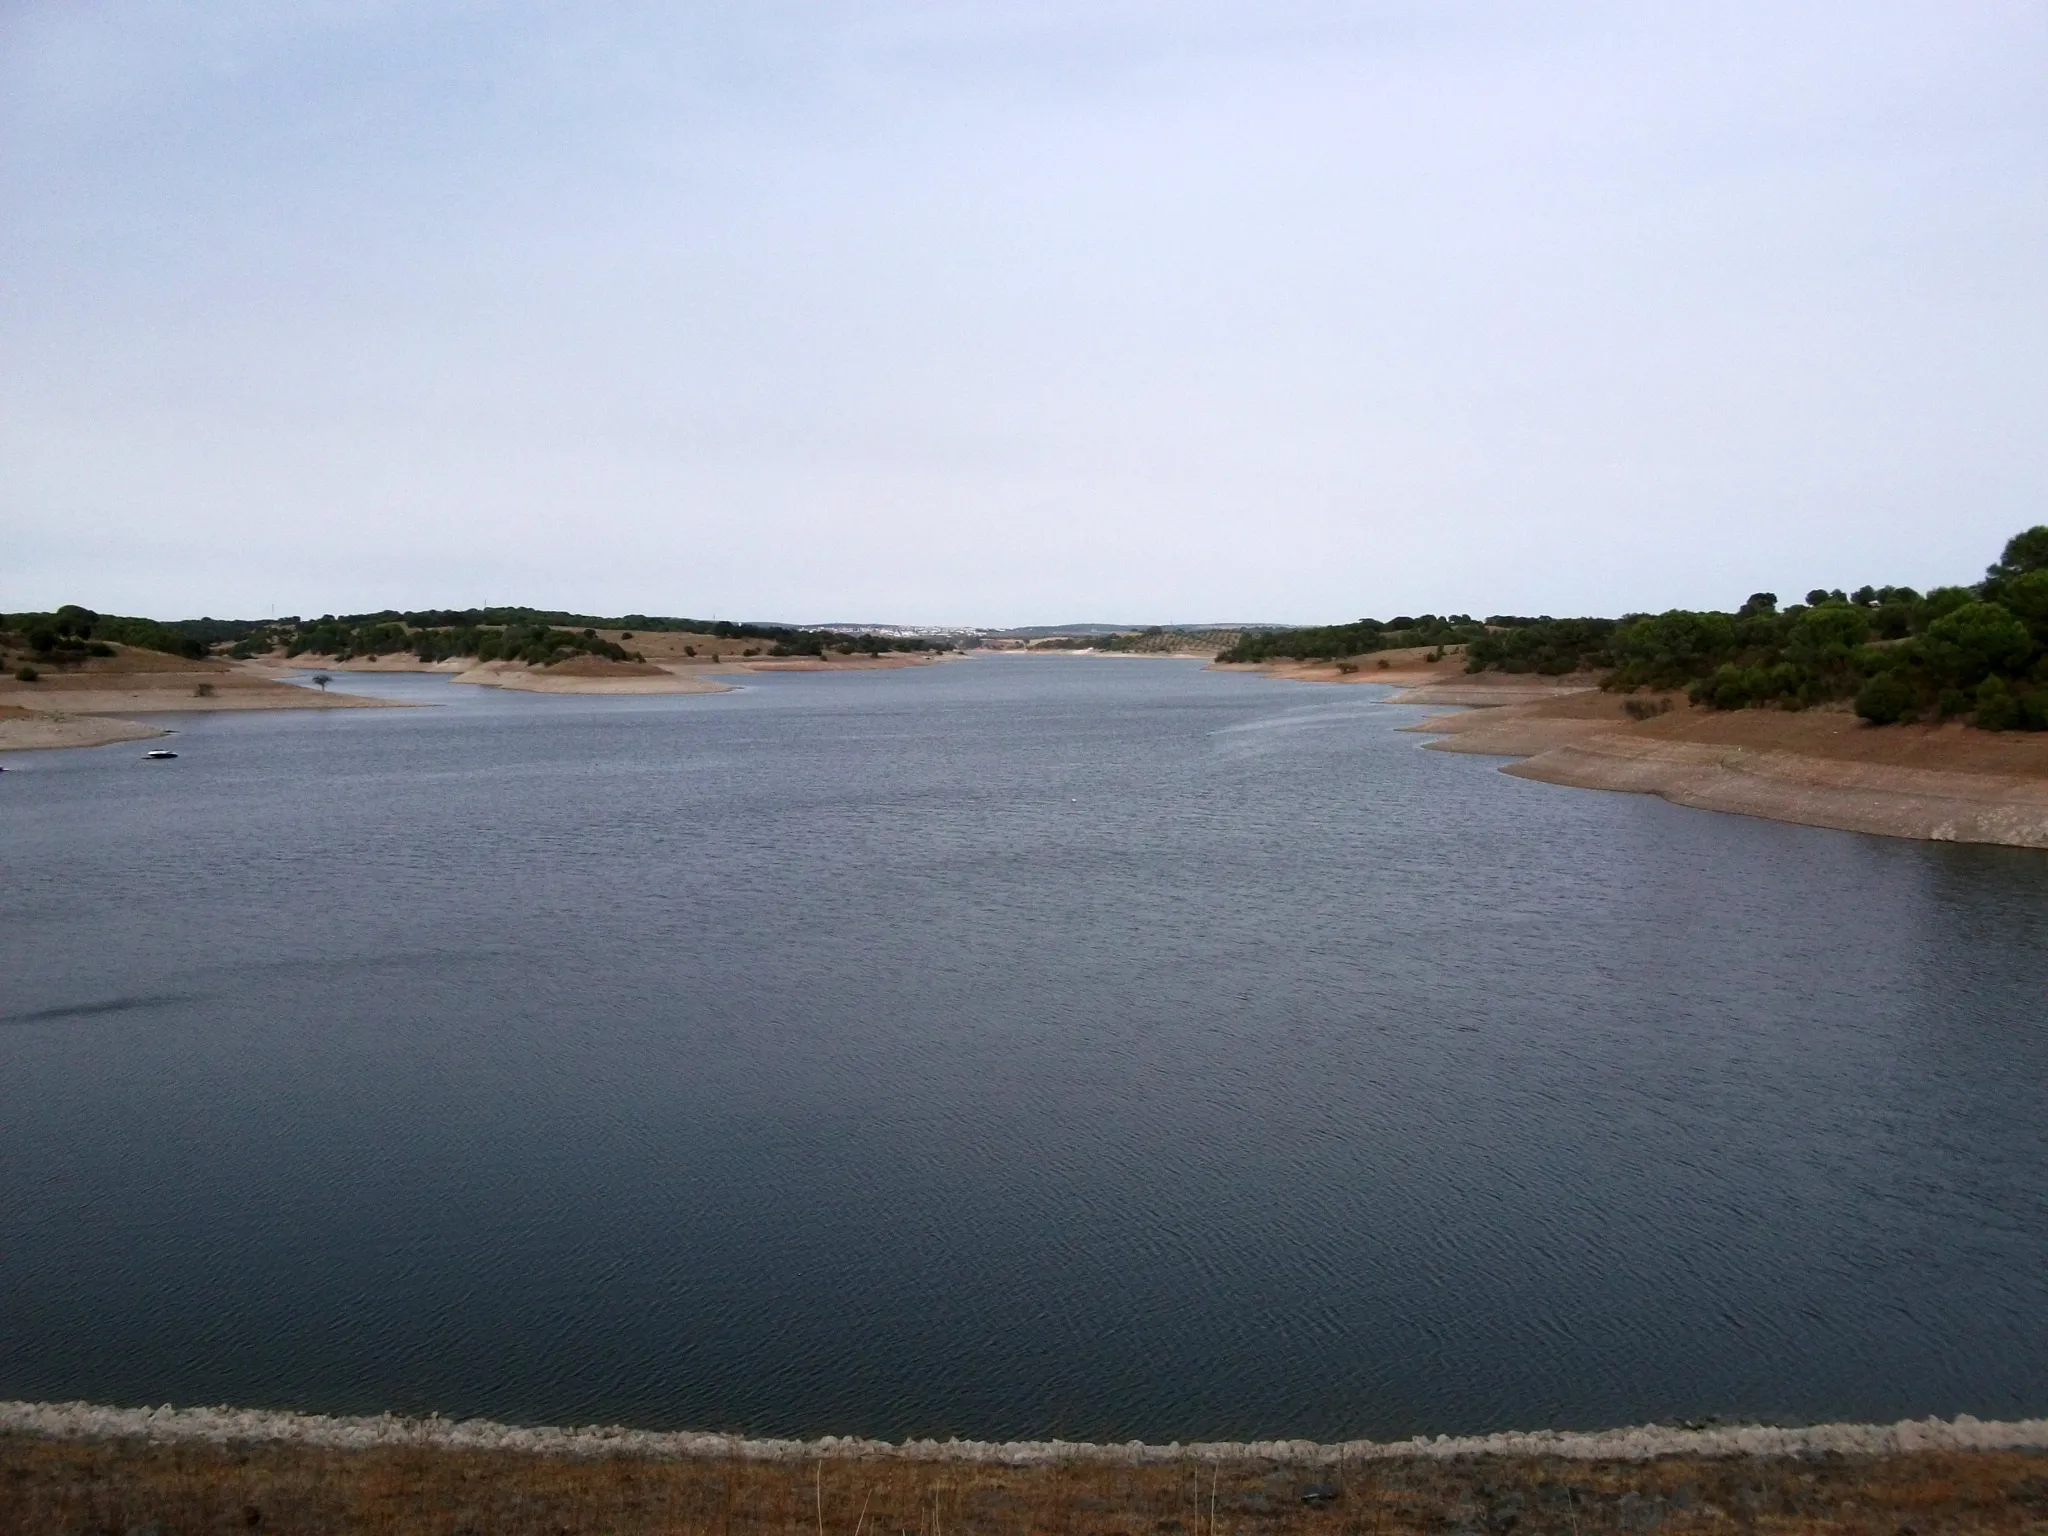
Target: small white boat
{"x":157,"y":755}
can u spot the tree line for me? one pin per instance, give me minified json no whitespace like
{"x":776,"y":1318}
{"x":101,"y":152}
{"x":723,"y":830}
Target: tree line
{"x":535,"y":636}
{"x":72,"y":633}
{"x":1330,"y":641}
{"x":1978,"y":652}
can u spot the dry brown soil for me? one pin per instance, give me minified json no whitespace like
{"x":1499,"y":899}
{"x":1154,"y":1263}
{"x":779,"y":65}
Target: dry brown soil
{"x":133,"y":681}
{"x":1820,"y":767}
{"x":186,"y":1489}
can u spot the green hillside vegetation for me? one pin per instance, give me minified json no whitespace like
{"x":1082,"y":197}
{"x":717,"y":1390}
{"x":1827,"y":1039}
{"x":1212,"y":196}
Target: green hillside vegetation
{"x":1160,"y":641}
{"x":1157,"y":640}
{"x":535,"y":636}
{"x":1978,"y":652}
{"x":72,"y":633}
{"x":537,"y":644}
{"x":1329,"y":642}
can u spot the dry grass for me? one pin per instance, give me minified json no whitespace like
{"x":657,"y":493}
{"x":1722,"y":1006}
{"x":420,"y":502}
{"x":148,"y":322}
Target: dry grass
{"x":131,"y":1487}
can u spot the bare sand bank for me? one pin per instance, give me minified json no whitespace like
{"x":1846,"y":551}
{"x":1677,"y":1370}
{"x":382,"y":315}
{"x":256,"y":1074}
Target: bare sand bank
{"x":132,"y":682}
{"x":30,"y":730}
{"x":77,"y":704}
{"x":588,"y":674}
{"x":580,"y":674}
{"x":1822,"y":767}
{"x":1442,"y":680}
{"x":676,"y":662}
{"x":1407,"y":668}
{"x":186,"y":698}
{"x":49,"y":711}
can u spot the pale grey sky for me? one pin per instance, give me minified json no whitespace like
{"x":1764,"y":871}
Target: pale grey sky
{"x":1014,"y":313}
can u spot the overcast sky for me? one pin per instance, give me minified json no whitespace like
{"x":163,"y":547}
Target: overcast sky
{"x":1015,"y":313}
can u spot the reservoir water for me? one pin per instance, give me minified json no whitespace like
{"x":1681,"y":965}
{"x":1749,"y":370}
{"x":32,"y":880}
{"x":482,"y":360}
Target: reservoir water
{"x":1015,"y":1047}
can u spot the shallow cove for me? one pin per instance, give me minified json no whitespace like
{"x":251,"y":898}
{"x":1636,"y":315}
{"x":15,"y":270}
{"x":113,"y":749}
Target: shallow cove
{"x":1019,"y":1047}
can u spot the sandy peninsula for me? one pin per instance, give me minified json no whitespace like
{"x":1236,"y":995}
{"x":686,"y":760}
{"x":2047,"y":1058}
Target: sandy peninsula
{"x":70,"y":704}
{"x":1417,"y":667}
{"x":673,"y":661}
{"x":75,"y":705}
{"x":589,"y":674}
{"x":37,"y":730}
{"x":579,"y":674}
{"x":74,"y":1466}
{"x":133,"y":681}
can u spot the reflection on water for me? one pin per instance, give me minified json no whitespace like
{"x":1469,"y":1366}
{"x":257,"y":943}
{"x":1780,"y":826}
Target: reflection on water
{"x":1023,"y":1046}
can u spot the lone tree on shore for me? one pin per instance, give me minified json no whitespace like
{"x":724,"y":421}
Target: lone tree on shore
{"x":321,"y":680}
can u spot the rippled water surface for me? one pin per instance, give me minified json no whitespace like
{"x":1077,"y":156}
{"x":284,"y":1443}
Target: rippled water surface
{"x":1014,"y":1047}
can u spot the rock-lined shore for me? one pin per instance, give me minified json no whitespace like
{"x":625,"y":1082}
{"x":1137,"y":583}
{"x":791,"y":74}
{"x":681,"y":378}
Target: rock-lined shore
{"x":225,"y":1426}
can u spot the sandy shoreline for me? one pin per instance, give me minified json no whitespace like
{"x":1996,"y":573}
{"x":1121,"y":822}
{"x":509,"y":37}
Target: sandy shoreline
{"x":668,"y":669}
{"x":93,"y":704}
{"x":72,"y":707}
{"x":26,"y":730}
{"x":224,"y":1426}
{"x":587,"y":675}
{"x":174,"y":701}
{"x":1818,"y":767}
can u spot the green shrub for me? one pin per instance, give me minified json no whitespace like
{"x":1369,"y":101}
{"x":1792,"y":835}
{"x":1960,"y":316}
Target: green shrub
{"x":2026,"y":597}
{"x":1941,"y":602}
{"x":26,"y":673}
{"x":1825,"y":636}
{"x":1667,"y":650}
{"x":1886,"y":699}
{"x":1975,"y":640}
{"x":1997,"y":709}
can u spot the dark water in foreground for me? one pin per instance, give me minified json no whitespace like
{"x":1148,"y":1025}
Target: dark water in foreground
{"x":1010,"y":1048}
